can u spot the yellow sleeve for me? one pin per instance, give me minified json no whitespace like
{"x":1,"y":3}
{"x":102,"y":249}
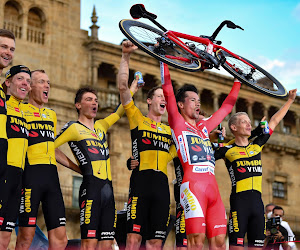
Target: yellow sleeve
{"x":68,"y":133}
{"x":112,"y":118}
{"x":134,"y":115}
{"x":173,"y":151}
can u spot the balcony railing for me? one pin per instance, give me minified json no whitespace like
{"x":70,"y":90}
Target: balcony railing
{"x":108,"y":98}
{"x":35,"y":35}
{"x":14,"y":28}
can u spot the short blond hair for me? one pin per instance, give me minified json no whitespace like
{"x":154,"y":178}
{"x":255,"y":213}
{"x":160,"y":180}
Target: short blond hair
{"x":233,"y":119}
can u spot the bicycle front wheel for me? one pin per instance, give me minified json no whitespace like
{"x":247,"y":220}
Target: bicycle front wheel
{"x":156,"y":44}
{"x":258,"y":79}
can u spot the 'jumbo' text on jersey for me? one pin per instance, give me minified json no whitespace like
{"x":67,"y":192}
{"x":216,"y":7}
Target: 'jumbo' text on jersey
{"x":42,"y":131}
{"x":151,"y":141}
{"x":90,"y":147}
{"x":17,"y":133}
{"x":244,"y":164}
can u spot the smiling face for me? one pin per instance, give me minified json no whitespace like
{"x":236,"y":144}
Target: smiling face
{"x":7,"y":49}
{"x":191,"y":105}
{"x":157,"y":104}
{"x":40,"y":89}
{"x":88,"y":105}
{"x":242,"y":126}
{"x":18,"y":85}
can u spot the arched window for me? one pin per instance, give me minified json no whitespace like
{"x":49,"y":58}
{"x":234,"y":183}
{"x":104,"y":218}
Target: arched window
{"x":36,"y":26}
{"x":12,"y":18}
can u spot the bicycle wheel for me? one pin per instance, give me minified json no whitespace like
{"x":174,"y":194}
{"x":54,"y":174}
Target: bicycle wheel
{"x":154,"y":43}
{"x":259,"y":79}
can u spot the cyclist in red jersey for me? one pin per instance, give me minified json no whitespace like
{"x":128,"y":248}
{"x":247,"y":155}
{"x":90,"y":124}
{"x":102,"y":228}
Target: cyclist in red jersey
{"x":199,"y":194}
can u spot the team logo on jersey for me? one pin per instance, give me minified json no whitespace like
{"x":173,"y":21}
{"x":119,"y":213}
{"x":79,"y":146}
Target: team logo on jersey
{"x":146,"y":141}
{"x":33,"y":134}
{"x":82,"y":204}
{"x":153,"y":126}
{"x":241,"y":170}
{"x":93,"y":134}
{"x":197,"y":148}
{"x":17,"y":109}
{"x":1,"y":103}
{"x":204,"y":130}
{"x":1,"y":220}
{"x":15,"y":128}
{"x":93,"y":150}
{"x":242,"y":153}
{"x":184,"y":242}
{"x":36,"y":114}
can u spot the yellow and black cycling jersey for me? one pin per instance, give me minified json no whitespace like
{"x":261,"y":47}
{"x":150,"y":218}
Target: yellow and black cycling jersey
{"x":151,"y":141}
{"x":17,"y":132}
{"x":42,"y":131}
{"x":244,"y":164}
{"x":90,"y":147}
{"x":3,"y":117}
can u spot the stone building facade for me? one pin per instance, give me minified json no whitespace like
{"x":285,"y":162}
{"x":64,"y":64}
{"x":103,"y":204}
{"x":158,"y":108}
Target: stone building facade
{"x":48,"y":36}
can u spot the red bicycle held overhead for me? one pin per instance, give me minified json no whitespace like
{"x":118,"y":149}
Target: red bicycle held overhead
{"x":192,"y":53}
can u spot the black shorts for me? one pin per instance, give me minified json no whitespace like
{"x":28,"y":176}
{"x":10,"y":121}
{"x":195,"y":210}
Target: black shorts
{"x":98,"y":214}
{"x":148,"y":209}
{"x":40,"y":183}
{"x":246,"y":216}
{"x":3,"y":165}
{"x":11,"y":195}
{"x":181,"y":240}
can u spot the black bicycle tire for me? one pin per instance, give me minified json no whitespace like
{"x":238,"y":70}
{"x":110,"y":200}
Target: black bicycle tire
{"x":124,"y":26}
{"x":281,"y":92}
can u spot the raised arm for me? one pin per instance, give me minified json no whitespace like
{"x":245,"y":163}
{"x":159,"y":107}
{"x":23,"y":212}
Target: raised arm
{"x":226,"y":107}
{"x":123,"y":75}
{"x":65,"y":161}
{"x":169,"y":94}
{"x":278,"y":116}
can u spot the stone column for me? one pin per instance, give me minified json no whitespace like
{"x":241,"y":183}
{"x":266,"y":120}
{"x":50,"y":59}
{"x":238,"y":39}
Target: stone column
{"x":297,"y":119}
{"x":25,"y":25}
{"x":216,"y":96}
{"x":249,"y":104}
{"x":266,"y":109}
{"x":281,"y":123}
{"x":94,"y":73}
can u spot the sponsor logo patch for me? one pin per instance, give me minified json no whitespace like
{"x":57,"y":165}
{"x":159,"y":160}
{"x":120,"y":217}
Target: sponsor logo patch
{"x":91,"y":233}
{"x":240,"y":241}
{"x":31,"y":221}
{"x":136,"y":228}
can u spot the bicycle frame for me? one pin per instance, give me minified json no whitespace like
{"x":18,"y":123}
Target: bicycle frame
{"x":210,"y":46}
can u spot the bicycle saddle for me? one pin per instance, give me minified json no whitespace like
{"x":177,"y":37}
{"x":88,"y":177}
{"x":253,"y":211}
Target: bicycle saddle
{"x":138,"y":10}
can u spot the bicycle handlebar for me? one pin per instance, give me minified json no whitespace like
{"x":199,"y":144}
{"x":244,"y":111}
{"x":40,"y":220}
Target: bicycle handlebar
{"x":229,"y":24}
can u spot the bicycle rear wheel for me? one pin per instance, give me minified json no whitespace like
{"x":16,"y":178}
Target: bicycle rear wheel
{"x":154,"y":43}
{"x":259,"y":79}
